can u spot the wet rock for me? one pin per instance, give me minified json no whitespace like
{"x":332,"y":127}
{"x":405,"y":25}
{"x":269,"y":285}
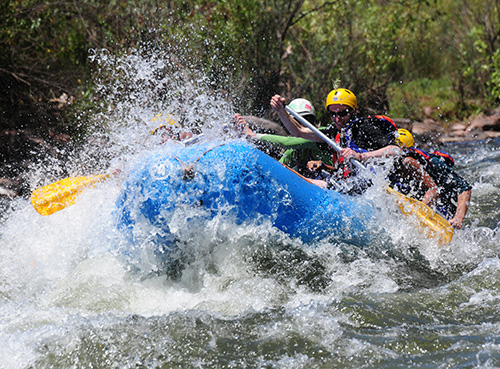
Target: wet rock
{"x":485,"y":123}
{"x":458,"y":129}
{"x":427,"y":132}
{"x":492,"y":134}
{"x":7,"y":187}
{"x":403,"y":123}
{"x":481,"y":127}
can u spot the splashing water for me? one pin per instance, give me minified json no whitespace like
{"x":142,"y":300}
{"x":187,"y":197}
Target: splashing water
{"x":248,"y":295}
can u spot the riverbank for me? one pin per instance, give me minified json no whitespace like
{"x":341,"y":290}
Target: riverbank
{"x":430,"y":132}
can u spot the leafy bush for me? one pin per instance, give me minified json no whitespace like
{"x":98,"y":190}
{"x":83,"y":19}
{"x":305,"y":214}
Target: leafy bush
{"x":412,"y":99}
{"x":252,"y":49}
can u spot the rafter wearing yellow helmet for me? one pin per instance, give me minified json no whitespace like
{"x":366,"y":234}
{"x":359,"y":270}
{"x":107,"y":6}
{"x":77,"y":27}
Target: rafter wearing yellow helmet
{"x":168,"y":121}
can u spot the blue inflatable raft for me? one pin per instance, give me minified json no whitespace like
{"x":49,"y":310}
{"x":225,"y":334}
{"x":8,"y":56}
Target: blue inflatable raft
{"x":236,"y":181}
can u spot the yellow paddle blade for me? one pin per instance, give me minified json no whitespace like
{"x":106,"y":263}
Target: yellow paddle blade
{"x":434,"y":225}
{"x":56,"y":196}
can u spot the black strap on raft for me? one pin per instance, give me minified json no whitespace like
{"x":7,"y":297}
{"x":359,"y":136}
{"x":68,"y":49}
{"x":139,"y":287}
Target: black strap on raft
{"x":188,"y":169}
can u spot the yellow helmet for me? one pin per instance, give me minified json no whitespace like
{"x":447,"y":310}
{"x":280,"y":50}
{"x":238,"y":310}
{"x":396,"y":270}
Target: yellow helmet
{"x":169,"y":121}
{"x":404,"y":138}
{"x":341,"y":96}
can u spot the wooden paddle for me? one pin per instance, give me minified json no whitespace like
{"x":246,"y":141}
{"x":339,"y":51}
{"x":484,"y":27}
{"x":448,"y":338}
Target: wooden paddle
{"x":56,"y":196}
{"x":436,"y":226}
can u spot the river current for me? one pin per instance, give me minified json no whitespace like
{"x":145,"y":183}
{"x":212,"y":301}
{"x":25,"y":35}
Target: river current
{"x":249,"y":297}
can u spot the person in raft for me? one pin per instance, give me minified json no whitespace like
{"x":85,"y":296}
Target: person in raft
{"x":367,"y":133}
{"x":453,"y":191}
{"x":298,"y":151}
{"x":170,"y":130}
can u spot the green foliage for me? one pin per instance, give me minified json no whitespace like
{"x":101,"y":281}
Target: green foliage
{"x":365,"y":46}
{"x":239,"y":48}
{"x":494,"y":82}
{"x":411,"y":99}
{"x":472,"y":30}
{"x":397,"y":56}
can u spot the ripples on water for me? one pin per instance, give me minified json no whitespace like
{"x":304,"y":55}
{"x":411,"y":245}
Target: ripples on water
{"x":247,"y":296}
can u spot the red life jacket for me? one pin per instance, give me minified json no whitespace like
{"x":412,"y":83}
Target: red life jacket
{"x":339,"y":161}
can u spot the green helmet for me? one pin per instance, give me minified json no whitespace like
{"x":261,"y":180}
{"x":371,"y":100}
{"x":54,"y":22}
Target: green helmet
{"x":304,"y":108}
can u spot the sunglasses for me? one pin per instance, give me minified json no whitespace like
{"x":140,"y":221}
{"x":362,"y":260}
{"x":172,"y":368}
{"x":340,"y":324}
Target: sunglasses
{"x":340,"y":114}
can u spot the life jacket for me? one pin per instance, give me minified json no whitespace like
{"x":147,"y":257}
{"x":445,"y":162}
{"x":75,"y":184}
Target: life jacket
{"x":439,"y":172}
{"x":362,"y":135}
{"x":340,"y":166}
{"x":420,"y":155}
{"x":370,"y":133}
{"x":448,"y":159}
{"x":424,"y":158}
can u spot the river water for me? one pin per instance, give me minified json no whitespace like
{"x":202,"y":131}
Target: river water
{"x":249,"y":297}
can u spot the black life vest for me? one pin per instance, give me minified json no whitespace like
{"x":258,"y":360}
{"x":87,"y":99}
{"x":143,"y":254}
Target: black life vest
{"x":370,"y":133}
{"x":441,"y":172}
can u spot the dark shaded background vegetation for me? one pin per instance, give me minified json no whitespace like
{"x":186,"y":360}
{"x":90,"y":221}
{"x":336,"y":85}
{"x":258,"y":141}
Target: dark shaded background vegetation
{"x":398,"y":56}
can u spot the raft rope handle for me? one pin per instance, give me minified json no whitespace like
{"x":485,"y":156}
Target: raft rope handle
{"x":189,"y":169}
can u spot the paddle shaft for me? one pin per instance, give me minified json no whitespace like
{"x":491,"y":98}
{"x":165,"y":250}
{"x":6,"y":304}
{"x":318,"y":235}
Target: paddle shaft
{"x":320,"y":134}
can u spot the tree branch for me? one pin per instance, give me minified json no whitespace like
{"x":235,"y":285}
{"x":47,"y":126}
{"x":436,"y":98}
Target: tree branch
{"x":15,"y":76}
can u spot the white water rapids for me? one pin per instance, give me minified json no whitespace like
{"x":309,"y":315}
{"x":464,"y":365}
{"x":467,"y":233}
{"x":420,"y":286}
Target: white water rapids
{"x":250,"y":296}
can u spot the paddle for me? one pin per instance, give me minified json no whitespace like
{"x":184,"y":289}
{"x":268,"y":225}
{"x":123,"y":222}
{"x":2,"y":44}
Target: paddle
{"x":56,"y":196}
{"x":438,"y":227}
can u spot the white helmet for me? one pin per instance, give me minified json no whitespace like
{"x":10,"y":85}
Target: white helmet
{"x":305,"y":108}
{"x":302,"y":106}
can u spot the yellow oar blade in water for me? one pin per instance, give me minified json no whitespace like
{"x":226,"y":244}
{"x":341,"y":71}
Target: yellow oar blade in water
{"x":56,"y":196}
{"x":434,"y":225}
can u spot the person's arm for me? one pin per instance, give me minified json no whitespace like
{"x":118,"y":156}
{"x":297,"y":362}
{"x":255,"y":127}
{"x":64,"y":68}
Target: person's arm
{"x":294,"y":127}
{"x":241,"y":122}
{"x":384,"y":152}
{"x":462,"y":206}
{"x":425,"y":179}
{"x":319,"y":182}
{"x":286,"y":141}
{"x":454,"y":183}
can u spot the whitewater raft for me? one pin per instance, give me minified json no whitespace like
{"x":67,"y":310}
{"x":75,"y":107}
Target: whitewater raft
{"x":237,"y":182}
